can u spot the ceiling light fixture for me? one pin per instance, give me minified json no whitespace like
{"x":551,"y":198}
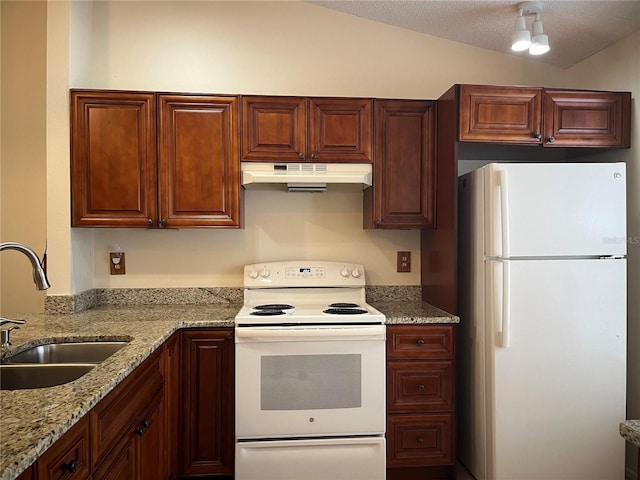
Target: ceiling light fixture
{"x":522,"y":39}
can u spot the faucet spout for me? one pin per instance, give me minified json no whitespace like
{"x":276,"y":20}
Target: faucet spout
{"x":39,"y":277}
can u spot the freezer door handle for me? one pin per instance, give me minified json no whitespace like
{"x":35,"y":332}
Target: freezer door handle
{"x":504,"y":212}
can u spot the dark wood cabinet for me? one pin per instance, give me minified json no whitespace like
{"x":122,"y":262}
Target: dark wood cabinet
{"x":127,"y":426}
{"x":404,"y":184}
{"x":172,"y":403}
{"x":113,"y":158}
{"x":207,"y":402}
{"x":539,"y":116}
{"x":139,"y":159}
{"x":198,"y":164}
{"x":420,"y":401}
{"x":586,"y":119}
{"x":299,"y":129}
{"x":69,"y":457}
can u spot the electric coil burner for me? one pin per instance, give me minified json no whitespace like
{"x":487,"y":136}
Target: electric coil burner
{"x":305,"y":293}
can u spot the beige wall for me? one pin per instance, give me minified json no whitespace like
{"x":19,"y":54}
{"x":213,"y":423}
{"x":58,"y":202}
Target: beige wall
{"x":23,"y":146}
{"x":618,"y":68}
{"x":288,"y":48}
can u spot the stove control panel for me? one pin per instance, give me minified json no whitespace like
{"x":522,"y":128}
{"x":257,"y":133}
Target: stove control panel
{"x":304,"y":273}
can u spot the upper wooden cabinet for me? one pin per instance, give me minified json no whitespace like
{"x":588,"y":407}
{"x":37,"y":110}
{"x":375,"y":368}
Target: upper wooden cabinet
{"x":113,"y":159}
{"x":298,"y":129}
{"x":147,"y":160}
{"x":403,"y":192}
{"x":537,"y":116}
{"x":198,"y":165}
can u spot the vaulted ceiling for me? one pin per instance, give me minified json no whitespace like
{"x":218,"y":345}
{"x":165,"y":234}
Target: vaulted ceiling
{"x":577,"y":29}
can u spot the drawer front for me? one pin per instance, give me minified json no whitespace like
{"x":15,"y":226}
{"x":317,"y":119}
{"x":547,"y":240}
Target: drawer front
{"x":68,"y":458}
{"x":420,"y":440}
{"x":425,"y":386}
{"x":112,"y":417}
{"x":420,"y":342}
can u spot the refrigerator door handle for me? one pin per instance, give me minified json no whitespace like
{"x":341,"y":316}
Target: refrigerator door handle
{"x":505,"y":321}
{"x":504,"y":212}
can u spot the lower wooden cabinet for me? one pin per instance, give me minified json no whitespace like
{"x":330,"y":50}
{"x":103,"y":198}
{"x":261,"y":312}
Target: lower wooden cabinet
{"x":127,"y":426}
{"x":420,"y":401}
{"x":207,"y":393}
{"x":68,"y":458}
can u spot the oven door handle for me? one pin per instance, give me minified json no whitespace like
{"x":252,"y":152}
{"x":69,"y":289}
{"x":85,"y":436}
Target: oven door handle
{"x":310,"y":334}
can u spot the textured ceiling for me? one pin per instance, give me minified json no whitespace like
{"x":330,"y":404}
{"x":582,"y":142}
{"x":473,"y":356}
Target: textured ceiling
{"x":576,"y":29}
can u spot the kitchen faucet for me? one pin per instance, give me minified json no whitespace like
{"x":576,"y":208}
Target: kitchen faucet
{"x":39,"y":277}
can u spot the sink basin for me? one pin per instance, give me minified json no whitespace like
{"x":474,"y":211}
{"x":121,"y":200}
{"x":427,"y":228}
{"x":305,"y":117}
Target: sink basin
{"x":80,"y":352}
{"x":18,"y":377}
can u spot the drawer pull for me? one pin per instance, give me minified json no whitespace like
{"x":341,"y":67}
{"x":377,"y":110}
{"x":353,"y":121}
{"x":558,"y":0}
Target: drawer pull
{"x":419,"y":440}
{"x":142,"y":427}
{"x":421,"y":388}
{"x":70,"y":467}
{"x":420,"y":341}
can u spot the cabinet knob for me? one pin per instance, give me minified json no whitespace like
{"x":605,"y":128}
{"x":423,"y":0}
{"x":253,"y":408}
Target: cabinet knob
{"x":149,"y":222}
{"x":301,"y":156}
{"x":552,"y":139}
{"x":537,"y":135}
{"x":421,"y":388}
{"x":70,"y":467}
{"x":142,"y":427}
{"x":163,"y":222}
{"x":419,"y":440}
{"x":420,"y":341}
{"x":314,"y":156}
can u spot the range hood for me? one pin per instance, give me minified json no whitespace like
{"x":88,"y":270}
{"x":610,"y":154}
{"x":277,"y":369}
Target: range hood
{"x":306,"y":177}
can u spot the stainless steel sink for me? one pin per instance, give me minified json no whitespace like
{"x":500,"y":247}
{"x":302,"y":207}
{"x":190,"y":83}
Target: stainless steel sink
{"x":23,"y":376}
{"x":79,"y":352}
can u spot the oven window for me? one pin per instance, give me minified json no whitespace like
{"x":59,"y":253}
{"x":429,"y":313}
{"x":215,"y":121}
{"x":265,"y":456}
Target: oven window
{"x":304,"y":382}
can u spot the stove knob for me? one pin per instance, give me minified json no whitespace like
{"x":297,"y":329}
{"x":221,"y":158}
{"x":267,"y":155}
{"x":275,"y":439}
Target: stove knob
{"x":253,"y":273}
{"x":265,"y":273}
{"x":345,"y":272}
{"x":355,"y":273}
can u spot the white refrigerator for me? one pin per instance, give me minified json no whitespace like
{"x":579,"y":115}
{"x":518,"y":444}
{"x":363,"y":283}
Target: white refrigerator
{"x":542,"y":338}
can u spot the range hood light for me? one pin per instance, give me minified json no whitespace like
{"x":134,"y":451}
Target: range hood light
{"x":307,"y":187}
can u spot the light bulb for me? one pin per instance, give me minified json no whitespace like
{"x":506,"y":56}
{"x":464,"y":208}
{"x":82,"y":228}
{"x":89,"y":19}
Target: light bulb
{"x":539,"y":42}
{"x":521,"y":38}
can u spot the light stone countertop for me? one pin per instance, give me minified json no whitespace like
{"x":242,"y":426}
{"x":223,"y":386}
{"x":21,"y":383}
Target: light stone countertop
{"x":630,"y":430}
{"x":32,"y":420}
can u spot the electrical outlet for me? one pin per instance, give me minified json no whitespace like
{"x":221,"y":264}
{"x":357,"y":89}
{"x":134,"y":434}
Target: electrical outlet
{"x":116,"y":263}
{"x":404,"y":261}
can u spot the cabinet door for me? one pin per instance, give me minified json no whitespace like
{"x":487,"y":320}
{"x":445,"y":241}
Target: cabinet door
{"x":68,"y":458}
{"x":340,"y":130}
{"x":586,"y":119}
{"x":208,"y":396}
{"x":274,"y":129}
{"x":198,"y":164}
{"x":113,"y":159}
{"x":120,"y":464}
{"x":500,"y":114}
{"x":404,"y":189}
{"x":150,"y":434}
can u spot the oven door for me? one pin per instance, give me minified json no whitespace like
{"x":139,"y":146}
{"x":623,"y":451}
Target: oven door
{"x":310,"y":381}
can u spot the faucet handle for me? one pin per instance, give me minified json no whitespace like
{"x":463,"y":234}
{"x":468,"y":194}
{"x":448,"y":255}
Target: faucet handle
{"x":15,"y":322}
{"x":5,"y":338}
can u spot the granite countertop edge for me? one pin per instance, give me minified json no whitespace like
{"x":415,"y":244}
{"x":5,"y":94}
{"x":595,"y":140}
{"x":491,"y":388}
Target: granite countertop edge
{"x":31,"y":422}
{"x":630,"y":431}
